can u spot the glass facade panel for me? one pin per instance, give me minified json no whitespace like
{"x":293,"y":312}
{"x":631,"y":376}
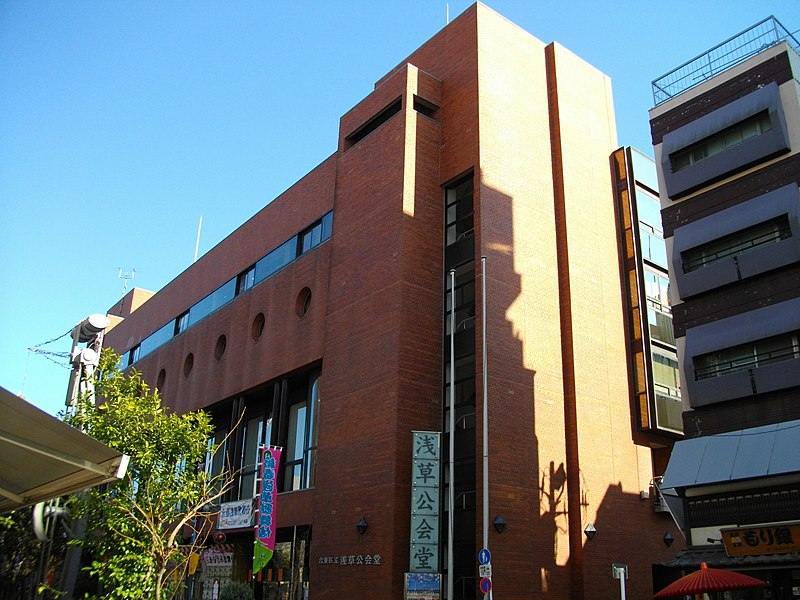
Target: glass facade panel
{"x":459,"y":211}
{"x":665,"y":371}
{"x":246,"y":280}
{"x":644,"y":169}
{"x":465,"y":299}
{"x":666,"y":385}
{"x":660,"y":325}
{"x":327,"y":226}
{"x":256,"y":432}
{"x":669,"y":412}
{"x":653,"y":248}
{"x":215,"y":456}
{"x":311,"y":437}
{"x":276,"y":260}
{"x":648,"y":208}
{"x":212,"y":302}
{"x":156,"y":339}
{"x":295,"y":447}
{"x":657,"y":288}
{"x":269,"y":264}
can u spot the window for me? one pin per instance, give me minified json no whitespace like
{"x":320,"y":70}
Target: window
{"x":375,"y":122}
{"x":657,"y":288}
{"x":133,"y":355}
{"x":281,"y":256}
{"x":459,"y":222}
{"x":653,"y":247}
{"x":724,"y":141}
{"x":182,"y":323}
{"x":220,"y":346}
{"x":736,"y":244}
{"x":276,"y":260}
{"x":660,"y":325}
{"x":648,"y":208}
{"x":301,"y":445}
{"x":721,"y":141}
{"x":465,"y":298}
{"x":245,"y":280}
{"x":215,"y":454}
{"x":424,"y":107}
{"x":215,"y":300}
{"x":257,"y":431}
{"x":257,"y":328}
{"x":747,"y":356}
{"x":314,"y":235}
{"x":464,"y":393}
{"x":303,"y":302}
{"x":666,"y":385}
{"x":188,"y":364}
{"x":665,"y":373}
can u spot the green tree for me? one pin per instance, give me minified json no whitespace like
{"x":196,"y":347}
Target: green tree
{"x":19,"y":553}
{"x":141,"y":529}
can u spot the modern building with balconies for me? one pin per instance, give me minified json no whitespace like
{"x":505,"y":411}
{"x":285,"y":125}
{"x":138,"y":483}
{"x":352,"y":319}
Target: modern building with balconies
{"x":726,"y":132}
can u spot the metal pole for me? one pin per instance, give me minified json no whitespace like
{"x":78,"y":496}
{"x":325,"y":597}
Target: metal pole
{"x":621,"y":573}
{"x":485,"y":414}
{"x":451,"y":462}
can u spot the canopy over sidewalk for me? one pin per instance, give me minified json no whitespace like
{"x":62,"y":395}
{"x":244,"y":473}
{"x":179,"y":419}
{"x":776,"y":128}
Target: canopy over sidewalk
{"x":42,"y":457}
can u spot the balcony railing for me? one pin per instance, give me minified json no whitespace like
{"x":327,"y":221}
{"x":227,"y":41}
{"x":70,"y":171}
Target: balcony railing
{"x":721,"y":57}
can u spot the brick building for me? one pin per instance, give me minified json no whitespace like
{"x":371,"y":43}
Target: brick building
{"x":325,"y":321}
{"x":726,"y":131}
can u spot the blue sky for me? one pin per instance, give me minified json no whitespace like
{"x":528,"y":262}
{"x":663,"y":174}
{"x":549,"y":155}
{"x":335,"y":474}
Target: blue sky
{"x":121,"y":123}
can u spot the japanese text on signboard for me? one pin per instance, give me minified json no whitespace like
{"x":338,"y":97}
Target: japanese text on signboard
{"x":425,"y":490}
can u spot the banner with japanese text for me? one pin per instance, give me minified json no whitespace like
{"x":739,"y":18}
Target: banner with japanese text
{"x":425,"y":489}
{"x":266,"y":520}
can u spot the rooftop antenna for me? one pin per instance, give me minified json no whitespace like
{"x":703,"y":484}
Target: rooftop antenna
{"x":447,"y":13}
{"x":125,"y":275}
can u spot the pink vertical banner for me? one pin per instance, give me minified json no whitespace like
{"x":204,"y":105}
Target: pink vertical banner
{"x":266,"y":521}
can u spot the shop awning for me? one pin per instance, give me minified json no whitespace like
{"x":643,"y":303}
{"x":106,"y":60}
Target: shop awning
{"x":42,"y":457}
{"x":715,"y":556}
{"x":757,"y":452}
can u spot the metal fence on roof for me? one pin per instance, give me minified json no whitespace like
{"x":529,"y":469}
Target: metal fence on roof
{"x":721,"y":57}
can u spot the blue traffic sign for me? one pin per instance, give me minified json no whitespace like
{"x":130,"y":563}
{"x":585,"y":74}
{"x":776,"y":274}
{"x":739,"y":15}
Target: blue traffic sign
{"x":486,"y":585}
{"x":484,"y":556}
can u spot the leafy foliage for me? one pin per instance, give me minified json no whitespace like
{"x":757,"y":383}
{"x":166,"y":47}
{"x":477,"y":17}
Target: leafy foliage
{"x":236,"y":590}
{"x":19,"y":552}
{"x":137,"y":525}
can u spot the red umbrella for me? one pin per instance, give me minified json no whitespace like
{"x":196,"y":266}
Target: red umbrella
{"x":709,"y":580}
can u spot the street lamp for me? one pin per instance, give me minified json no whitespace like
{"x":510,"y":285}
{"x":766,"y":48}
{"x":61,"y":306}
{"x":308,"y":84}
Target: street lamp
{"x":85,"y":360}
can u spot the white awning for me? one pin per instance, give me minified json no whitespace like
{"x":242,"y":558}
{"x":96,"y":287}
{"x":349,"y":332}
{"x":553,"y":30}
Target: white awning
{"x":42,"y":457}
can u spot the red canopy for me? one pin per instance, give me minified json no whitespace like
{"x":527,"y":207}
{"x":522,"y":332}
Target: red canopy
{"x":709,"y":580}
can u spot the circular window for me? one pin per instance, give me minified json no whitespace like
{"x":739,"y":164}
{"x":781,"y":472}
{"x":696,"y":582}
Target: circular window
{"x":188,"y":364}
{"x":162,"y":375}
{"x":257,"y":328}
{"x":219,"y":349}
{"x":303,"y":302}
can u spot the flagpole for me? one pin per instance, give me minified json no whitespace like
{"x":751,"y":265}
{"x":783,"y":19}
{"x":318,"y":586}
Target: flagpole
{"x":485,"y":413}
{"x":451,"y":462}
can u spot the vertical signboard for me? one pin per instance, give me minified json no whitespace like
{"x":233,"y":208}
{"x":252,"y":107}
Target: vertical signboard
{"x":425,"y":476}
{"x":266,"y":520}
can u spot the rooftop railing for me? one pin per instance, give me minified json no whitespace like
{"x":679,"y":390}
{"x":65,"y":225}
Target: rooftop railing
{"x":721,"y":57}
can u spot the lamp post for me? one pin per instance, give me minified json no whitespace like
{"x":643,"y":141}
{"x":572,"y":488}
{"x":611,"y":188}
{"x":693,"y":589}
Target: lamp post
{"x":81,"y":381}
{"x":85,"y":360}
